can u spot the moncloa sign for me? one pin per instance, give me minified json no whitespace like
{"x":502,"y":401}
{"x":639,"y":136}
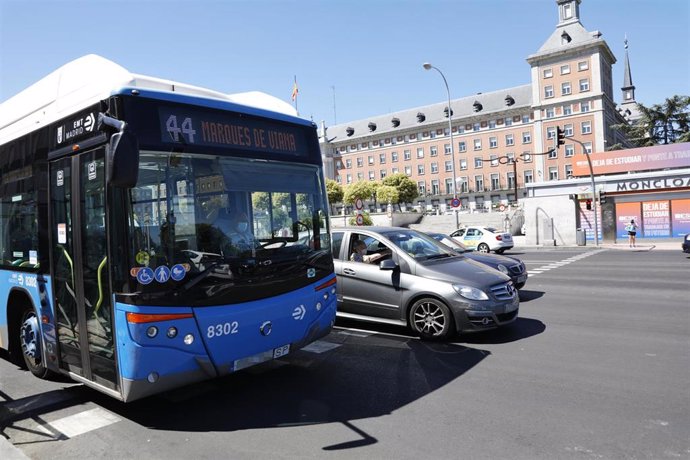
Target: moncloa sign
{"x":652,"y":184}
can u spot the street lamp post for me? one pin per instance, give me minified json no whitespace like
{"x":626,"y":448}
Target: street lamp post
{"x":428,"y":66}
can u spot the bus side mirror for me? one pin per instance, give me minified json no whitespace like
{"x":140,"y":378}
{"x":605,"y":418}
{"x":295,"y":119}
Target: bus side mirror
{"x":123,"y":154}
{"x":123,"y":160}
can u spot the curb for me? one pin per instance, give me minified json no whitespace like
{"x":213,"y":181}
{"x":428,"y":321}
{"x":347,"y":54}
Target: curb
{"x":9,"y":452}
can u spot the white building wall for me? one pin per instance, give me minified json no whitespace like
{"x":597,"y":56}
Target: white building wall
{"x":550,"y":220}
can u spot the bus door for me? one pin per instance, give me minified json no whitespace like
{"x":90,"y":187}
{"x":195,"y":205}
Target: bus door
{"x":79,"y":265}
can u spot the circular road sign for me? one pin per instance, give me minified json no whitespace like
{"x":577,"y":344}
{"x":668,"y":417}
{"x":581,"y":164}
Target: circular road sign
{"x":359,"y":204}
{"x":502,"y":208}
{"x":455,"y":202}
{"x":360,"y":219}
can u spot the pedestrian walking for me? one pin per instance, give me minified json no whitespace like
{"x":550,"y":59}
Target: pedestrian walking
{"x":631,"y":228}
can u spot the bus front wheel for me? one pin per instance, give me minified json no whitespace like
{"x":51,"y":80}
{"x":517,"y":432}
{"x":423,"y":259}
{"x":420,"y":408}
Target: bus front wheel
{"x":30,"y":341}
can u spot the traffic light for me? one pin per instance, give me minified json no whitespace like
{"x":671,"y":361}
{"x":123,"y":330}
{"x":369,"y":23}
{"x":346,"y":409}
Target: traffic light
{"x":560,"y":137}
{"x":588,"y":205}
{"x":602,"y":197}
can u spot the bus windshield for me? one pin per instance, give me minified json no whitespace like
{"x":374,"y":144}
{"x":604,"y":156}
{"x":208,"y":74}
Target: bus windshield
{"x":214,"y":230}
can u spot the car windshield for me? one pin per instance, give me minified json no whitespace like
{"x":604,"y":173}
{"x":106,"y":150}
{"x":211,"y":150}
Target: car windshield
{"x":210,"y":225}
{"x":450,"y":242}
{"x":418,"y":245}
{"x":491,"y":229}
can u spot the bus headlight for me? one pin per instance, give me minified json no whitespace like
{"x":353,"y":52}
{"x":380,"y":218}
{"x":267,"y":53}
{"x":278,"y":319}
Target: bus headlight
{"x":151,"y":332}
{"x":172,"y":332}
{"x":188,"y":339}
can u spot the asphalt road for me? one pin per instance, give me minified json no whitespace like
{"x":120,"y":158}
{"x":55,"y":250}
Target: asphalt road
{"x":596,"y":366}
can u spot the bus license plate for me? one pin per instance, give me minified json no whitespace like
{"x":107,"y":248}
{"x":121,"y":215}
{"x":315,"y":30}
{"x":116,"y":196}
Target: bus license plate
{"x":281,"y":351}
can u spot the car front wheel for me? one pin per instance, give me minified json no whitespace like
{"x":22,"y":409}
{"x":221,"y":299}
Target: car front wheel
{"x":483,"y":247}
{"x":431,"y":319}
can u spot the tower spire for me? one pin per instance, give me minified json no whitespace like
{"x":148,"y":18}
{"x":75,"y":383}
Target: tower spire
{"x":628,"y":88}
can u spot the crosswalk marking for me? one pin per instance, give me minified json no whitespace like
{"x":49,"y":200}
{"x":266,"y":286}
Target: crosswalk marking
{"x":80,"y":423}
{"x":320,"y":346}
{"x":553,"y":265}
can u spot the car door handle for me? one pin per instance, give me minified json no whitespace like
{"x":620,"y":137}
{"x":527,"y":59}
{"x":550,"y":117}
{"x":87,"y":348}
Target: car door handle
{"x":349,"y":271}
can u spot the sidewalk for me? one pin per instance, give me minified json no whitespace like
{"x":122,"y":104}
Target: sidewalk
{"x":641,"y":246}
{"x":9,"y":452}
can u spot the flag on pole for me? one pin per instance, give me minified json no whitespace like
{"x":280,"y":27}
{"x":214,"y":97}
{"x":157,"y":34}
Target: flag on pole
{"x":295,"y":90}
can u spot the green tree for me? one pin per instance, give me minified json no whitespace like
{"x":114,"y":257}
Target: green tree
{"x":362,"y":189}
{"x":407,"y":189}
{"x":665,"y":123}
{"x":334,"y":191}
{"x":387,"y":194}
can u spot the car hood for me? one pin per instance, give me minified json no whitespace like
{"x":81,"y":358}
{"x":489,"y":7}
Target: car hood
{"x":461,"y":270}
{"x":491,"y":259}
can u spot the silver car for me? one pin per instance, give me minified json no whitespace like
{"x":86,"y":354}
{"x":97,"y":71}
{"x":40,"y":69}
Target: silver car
{"x":404,"y":277}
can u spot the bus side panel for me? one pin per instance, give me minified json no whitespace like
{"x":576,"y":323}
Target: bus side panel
{"x":238,"y":336}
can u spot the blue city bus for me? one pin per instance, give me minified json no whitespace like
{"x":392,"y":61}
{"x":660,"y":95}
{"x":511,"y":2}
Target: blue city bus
{"x":155,"y":234}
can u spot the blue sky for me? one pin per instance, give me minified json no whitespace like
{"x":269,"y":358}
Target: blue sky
{"x":368,"y":54}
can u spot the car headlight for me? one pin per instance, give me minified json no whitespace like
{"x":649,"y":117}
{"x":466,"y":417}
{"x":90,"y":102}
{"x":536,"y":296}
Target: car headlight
{"x":502,"y":268}
{"x":470,"y":292}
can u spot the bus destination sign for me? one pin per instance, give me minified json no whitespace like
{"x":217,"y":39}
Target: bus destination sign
{"x":212,"y":129}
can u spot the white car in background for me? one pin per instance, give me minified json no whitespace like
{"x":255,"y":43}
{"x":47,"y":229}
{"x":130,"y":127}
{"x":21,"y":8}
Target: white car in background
{"x":484,"y":239}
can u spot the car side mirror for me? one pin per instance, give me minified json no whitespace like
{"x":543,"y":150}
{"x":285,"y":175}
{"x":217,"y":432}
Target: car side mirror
{"x":388,"y":264}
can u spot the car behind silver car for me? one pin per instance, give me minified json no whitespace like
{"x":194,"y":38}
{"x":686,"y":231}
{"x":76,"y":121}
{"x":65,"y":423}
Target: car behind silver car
{"x":407,"y":278}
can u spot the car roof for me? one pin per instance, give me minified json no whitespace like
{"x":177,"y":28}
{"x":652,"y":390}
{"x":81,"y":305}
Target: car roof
{"x":371,"y":228}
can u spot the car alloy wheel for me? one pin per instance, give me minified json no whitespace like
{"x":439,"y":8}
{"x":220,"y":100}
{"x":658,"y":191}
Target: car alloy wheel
{"x":483,"y":247}
{"x":431,"y":319}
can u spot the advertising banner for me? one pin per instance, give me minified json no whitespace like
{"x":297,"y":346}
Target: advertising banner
{"x":587,"y":221}
{"x":625,"y":212}
{"x":681,"y":217}
{"x":656,"y":219}
{"x":639,"y":159}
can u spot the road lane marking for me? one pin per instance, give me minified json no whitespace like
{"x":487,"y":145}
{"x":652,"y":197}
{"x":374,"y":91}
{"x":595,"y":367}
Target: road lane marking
{"x":320,"y":346}
{"x":80,"y":423}
{"x":553,"y":265}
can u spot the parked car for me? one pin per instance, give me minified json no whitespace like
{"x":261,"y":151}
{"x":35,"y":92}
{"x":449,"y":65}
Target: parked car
{"x":686,"y":243}
{"x":511,"y":266}
{"x":484,"y":239}
{"x":408,"y":278}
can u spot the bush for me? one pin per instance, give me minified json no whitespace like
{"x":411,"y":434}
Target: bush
{"x":365,"y":216}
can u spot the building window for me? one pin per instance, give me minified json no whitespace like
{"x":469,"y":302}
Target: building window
{"x":586,"y":127}
{"x":565,"y":69}
{"x":360,"y":176}
{"x":550,"y":113}
{"x":371,"y":159}
{"x":508,"y":121}
{"x":567,"y":11}
{"x":446,"y":149}
{"x":394,"y":157}
{"x":565,"y":88}
{"x":587,"y":147}
{"x":434,"y":168}
{"x":478,"y":183}
{"x":462,"y":146}
{"x":360,"y":162}
{"x":449,"y":166}
{"x":477,"y":144}
{"x":407,"y":155}
{"x":568,"y":171}
{"x":478,"y":162}
{"x":525,"y":118}
{"x":568,"y":129}
{"x":463,"y":164}
{"x":495,"y":182}
{"x":349,"y":178}
{"x":420,"y":170}
{"x":569,"y":150}
{"x":511,"y":180}
{"x":526,"y":137}
{"x":492,"y":124}
{"x":584,"y":107}
{"x":449,"y":186}
{"x":582,"y":65}
{"x":548,"y":91}
{"x":339,"y":179}
{"x":421,"y":186}
{"x":435,"y":187}
{"x":553,"y":154}
{"x":551,"y":132}
{"x":494,"y":160}
{"x":475,"y":127}
{"x":528,"y":176}
{"x":420,"y":152}
{"x":553,"y":173}
{"x":433,"y":151}
{"x":548,"y":73}
{"x":395,"y":171}
{"x":372,"y":175}
{"x":348,"y":164}
{"x":382,"y":173}
{"x":463,"y":185}
{"x":510,"y":140}
{"x":584,"y":85}
{"x":567,"y":109}
{"x":382,"y":158}
{"x":493,"y":142}
{"x":408,"y":170}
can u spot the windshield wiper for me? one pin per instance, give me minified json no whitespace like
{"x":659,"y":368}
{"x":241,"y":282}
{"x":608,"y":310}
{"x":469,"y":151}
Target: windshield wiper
{"x":200,"y":276}
{"x":439,"y":256}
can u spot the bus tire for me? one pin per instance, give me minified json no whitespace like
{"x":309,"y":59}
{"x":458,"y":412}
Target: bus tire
{"x":29,"y":333}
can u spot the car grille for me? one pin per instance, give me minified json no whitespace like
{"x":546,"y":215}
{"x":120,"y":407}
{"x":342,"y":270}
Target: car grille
{"x":503,"y":317}
{"x":503,"y":291}
{"x":517,"y":269}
